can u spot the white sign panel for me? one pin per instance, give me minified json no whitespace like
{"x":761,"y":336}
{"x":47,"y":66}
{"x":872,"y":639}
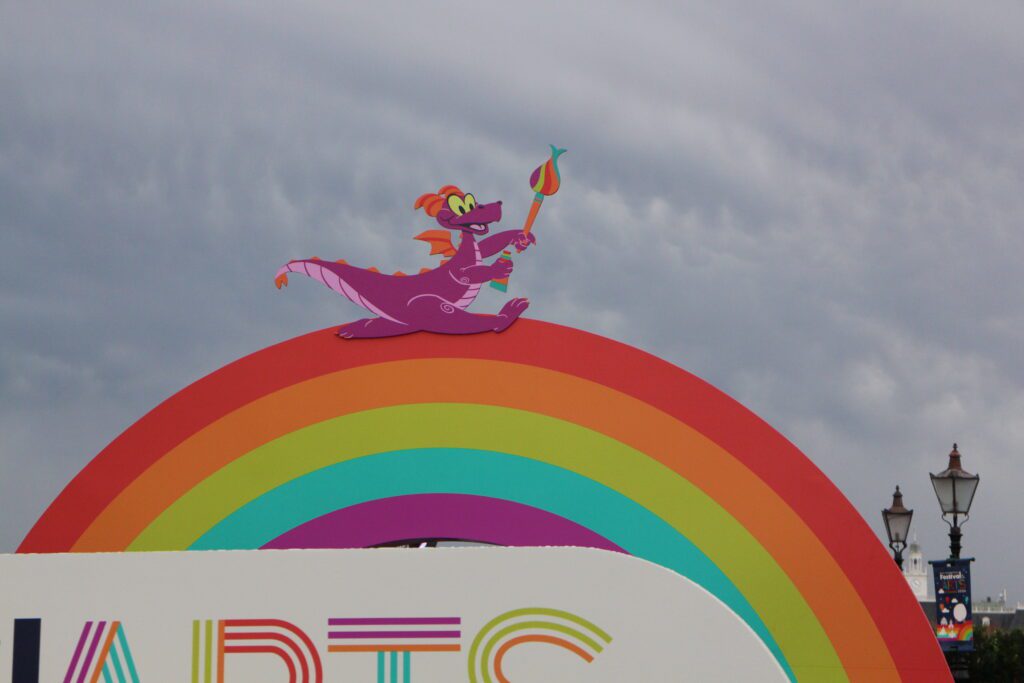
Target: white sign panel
{"x":525,"y":615}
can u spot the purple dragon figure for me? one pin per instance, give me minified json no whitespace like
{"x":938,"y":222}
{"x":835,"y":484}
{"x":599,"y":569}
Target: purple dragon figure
{"x":436,"y":299}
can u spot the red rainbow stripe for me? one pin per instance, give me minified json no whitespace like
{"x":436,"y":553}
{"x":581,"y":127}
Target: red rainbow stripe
{"x":848,"y":548}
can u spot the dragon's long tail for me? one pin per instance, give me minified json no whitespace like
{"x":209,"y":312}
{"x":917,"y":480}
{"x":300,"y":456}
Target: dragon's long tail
{"x":332,"y":275}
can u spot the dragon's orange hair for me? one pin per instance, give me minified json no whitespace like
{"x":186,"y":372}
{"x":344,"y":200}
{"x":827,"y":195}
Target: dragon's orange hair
{"x":433,"y":202}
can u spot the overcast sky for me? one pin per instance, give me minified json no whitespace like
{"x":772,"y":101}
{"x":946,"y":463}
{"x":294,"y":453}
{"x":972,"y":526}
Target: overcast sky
{"x":816,"y":207}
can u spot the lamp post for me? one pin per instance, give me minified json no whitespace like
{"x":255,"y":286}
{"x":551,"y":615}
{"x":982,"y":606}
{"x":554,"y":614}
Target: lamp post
{"x":955,"y":487}
{"x":897,"y":526}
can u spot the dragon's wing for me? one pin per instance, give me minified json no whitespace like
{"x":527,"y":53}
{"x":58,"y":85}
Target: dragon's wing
{"x":440,"y":242}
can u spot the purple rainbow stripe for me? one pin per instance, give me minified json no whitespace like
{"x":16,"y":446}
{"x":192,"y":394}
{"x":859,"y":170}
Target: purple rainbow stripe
{"x":440,"y":515}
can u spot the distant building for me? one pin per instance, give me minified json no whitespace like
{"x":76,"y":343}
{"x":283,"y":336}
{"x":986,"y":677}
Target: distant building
{"x":915,"y":569}
{"x":998,"y":614}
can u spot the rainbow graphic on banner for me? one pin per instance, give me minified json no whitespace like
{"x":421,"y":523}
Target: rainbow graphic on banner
{"x":962,"y":632}
{"x":531,"y":625}
{"x":102,"y":650}
{"x":542,"y":435}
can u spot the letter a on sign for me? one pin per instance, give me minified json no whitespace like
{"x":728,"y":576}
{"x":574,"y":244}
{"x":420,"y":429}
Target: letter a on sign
{"x":102,"y":649}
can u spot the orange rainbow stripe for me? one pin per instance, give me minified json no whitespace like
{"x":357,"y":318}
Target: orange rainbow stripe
{"x":693,"y":472}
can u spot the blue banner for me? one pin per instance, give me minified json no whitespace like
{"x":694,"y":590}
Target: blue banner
{"x":954,"y":623}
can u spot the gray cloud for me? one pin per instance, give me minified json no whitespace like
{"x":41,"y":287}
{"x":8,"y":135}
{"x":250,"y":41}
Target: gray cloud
{"x":814,"y":207}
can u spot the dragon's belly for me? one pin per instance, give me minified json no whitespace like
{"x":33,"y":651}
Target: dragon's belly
{"x":472,"y":290}
{"x":469,"y":296}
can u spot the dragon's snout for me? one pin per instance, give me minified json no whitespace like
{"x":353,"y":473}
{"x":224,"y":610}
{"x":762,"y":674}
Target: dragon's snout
{"x":488,"y":213}
{"x":475,"y":220}
{"x":483,"y":213}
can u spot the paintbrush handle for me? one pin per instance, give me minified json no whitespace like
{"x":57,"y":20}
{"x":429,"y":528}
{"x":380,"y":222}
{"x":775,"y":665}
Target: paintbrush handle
{"x":538,"y":199}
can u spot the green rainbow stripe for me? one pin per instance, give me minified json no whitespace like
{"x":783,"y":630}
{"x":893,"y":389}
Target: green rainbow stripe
{"x":490,"y":474}
{"x":668,"y":496}
{"x":700,"y":484}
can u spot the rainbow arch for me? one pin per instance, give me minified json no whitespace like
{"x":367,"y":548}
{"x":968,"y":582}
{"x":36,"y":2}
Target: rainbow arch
{"x":543,"y":435}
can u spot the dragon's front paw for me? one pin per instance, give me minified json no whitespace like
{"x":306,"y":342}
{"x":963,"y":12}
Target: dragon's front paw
{"x":523,"y":240}
{"x":281,"y":280}
{"x":501,"y":268}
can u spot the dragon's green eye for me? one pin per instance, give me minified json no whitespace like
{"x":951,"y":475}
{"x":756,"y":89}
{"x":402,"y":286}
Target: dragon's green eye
{"x":470,"y":201}
{"x":457,"y":205}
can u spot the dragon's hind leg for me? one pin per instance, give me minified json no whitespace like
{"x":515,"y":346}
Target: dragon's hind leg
{"x":373,"y":328}
{"x":510,"y":312}
{"x":432,"y":313}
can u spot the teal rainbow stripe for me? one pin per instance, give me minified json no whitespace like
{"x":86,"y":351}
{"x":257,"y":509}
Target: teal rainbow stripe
{"x":482,"y":473}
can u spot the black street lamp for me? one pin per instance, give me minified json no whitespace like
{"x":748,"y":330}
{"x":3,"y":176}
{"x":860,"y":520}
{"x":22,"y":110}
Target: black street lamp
{"x":955,"y":487}
{"x":897,"y":526}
